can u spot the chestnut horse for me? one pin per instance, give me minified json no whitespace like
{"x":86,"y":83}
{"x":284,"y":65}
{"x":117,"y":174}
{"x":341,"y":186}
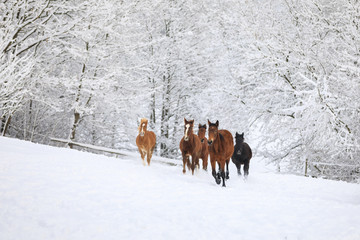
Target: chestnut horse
{"x":221,"y":148}
{"x":190,"y":146}
{"x":145,"y":141}
{"x":204,"y":146}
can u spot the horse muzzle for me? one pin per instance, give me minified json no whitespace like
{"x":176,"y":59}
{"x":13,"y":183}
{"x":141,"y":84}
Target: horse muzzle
{"x":210,"y":142}
{"x":202,"y":140}
{"x":142,"y":134}
{"x":186,"y":138}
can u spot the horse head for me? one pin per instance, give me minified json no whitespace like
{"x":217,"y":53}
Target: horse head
{"x":239,"y":138}
{"x":143,"y":126}
{"x":202,"y":132}
{"x":213,"y":132}
{"x":188,"y":130}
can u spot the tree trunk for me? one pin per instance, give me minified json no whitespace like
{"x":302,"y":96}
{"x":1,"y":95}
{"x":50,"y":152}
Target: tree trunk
{"x":77,"y":115}
{"x":5,"y":122}
{"x":164,"y":129}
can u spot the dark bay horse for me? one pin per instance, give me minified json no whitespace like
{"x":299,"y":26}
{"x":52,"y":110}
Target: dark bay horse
{"x":242,"y":154}
{"x":221,"y":148}
{"x":190,"y":146}
{"x":204,"y":146}
{"x":145,"y":141}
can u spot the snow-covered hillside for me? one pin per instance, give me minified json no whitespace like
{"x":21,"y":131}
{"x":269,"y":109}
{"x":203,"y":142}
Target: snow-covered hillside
{"x":55,"y":193}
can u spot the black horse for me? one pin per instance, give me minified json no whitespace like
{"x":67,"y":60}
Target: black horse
{"x":242,"y":154}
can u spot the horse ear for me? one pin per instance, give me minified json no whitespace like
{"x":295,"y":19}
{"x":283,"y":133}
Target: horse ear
{"x":242,"y":134}
{"x":217,"y":123}
{"x":204,"y":126}
{"x":185,"y":120}
{"x":209,"y":122}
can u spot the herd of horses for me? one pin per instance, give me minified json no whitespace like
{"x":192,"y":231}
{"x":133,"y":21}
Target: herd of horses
{"x":219,"y":144}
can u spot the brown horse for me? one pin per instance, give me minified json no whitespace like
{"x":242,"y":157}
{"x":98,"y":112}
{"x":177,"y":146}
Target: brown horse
{"x":190,"y":146}
{"x":145,"y":141}
{"x":204,"y":146}
{"x":221,"y":148}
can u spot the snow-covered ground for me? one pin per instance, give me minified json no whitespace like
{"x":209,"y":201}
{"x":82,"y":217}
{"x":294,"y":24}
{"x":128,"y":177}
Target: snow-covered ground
{"x":56,"y":193}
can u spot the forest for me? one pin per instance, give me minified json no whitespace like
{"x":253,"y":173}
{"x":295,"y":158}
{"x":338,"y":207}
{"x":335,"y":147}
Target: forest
{"x":284,"y":72}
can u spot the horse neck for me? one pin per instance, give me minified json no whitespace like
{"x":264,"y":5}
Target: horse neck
{"x":217,"y":144}
{"x":191,"y":141}
{"x":240,"y":144}
{"x":145,"y":133}
{"x":203,"y":134}
{"x":191,"y":137}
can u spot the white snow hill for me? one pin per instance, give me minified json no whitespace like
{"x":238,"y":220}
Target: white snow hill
{"x":57,"y":193}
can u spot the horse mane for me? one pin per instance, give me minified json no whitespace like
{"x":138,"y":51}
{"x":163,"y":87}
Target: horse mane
{"x":221,"y":137}
{"x":142,"y":120}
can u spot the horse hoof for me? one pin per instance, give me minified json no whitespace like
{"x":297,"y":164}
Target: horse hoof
{"x":218,"y":181}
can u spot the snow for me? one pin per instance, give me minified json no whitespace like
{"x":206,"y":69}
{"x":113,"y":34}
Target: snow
{"x":56,"y":193}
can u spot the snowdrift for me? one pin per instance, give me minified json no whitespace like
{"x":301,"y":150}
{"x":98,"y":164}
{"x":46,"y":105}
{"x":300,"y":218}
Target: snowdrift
{"x":55,"y":193}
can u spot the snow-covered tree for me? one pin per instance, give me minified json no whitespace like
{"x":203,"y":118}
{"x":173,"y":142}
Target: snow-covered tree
{"x":303,"y":76}
{"x":284,"y":72}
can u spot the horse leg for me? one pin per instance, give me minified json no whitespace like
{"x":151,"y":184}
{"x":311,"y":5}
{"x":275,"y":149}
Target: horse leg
{"x":219,"y":171}
{"x":184,"y":162}
{"x":238,"y":166}
{"x":145,"y":155}
{"x":190,"y":163}
{"x":213,"y":167}
{"x":227,"y":169}
{"x":246,"y":168}
{"x":193,"y":164}
{"x":142,"y":154}
{"x":222,"y":172}
{"x":205,"y":162}
{"x":149,"y":154}
{"x":197,"y":164}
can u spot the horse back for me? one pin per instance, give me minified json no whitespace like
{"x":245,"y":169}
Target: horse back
{"x":227,"y":142}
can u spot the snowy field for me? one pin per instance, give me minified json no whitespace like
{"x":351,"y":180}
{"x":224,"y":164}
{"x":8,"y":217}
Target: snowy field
{"x":55,"y":193}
